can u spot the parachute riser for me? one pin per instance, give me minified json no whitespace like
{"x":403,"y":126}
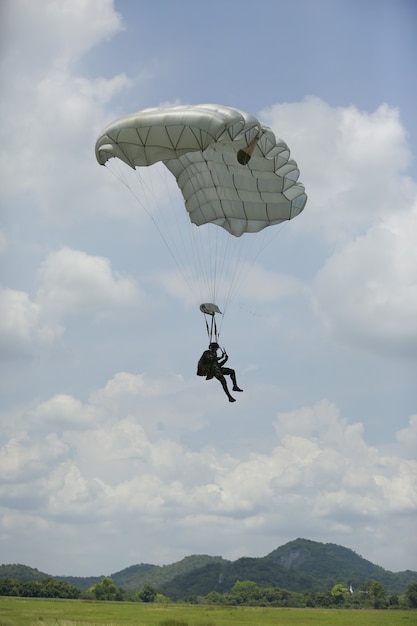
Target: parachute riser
{"x":209,"y":310}
{"x":212,"y":332}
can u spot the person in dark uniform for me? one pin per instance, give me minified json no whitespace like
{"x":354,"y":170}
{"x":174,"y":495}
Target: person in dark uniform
{"x":211,"y":366}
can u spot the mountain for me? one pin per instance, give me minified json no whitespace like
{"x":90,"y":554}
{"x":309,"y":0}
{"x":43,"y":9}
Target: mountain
{"x":222,"y":576}
{"x":133,"y":578}
{"x":22,"y":573}
{"x":300,"y":565}
{"x":330,"y":562}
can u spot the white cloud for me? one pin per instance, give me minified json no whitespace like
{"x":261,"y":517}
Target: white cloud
{"x":124,"y":384}
{"x":265,"y":285}
{"x":57,"y":32}
{"x":149,"y":400}
{"x":52,"y":113}
{"x":22,"y":324}
{"x":143,"y":454}
{"x":72,"y":281}
{"x":351,"y":161}
{"x":63,"y":412}
{"x":367,"y":292}
{"x":18,"y":315}
{"x":353,"y":165}
{"x":48,"y":146}
{"x":114,"y":471}
{"x":408,"y":436}
{"x":24,"y":459}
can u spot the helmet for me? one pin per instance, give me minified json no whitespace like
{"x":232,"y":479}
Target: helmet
{"x":214,"y":346}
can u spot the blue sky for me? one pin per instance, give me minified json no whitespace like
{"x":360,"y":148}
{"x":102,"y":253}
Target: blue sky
{"x":112,"y":451}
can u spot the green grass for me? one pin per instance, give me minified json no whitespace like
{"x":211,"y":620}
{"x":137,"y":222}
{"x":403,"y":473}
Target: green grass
{"x":40,"y":612}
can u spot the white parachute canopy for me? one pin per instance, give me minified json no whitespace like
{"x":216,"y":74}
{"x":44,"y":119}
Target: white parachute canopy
{"x":231,"y":169}
{"x":204,"y":147}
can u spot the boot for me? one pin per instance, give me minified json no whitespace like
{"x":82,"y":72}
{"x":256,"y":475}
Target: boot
{"x":233,"y":377}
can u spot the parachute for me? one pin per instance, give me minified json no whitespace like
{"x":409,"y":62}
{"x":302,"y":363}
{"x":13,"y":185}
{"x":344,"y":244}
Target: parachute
{"x":234,"y":174}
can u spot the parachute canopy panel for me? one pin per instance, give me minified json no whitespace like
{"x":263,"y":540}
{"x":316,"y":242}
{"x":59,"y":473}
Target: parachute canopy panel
{"x":158,"y":134}
{"x":232,"y":170}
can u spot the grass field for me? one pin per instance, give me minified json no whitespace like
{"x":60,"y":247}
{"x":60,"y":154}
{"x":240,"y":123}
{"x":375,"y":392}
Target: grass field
{"x":40,"y":612}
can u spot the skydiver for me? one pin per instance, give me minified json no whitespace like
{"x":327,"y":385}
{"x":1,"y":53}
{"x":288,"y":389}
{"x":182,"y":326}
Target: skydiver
{"x":211,"y":366}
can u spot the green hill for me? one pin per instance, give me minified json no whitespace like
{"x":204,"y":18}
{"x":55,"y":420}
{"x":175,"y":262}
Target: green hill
{"x":22,"y":573}
{"x":133,"y":578}
{"x":300,"y":565}
{"x":328,"y":562}
{"x":222,"y":576}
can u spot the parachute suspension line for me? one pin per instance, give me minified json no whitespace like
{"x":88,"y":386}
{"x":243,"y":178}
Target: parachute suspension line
{"x":216,"y":272}
{"x":180,"y":243}
{"x":193,"y":256}
{"x":227,"y":252}
{"x":251,"y":251}
{"x":209,"y":251}
{"x":246,"y":247}
{"x":229,"y":258}
{"x":219,"y":256}
{"x":199,"y":238}
{"x":213,"y":242}
{"x":145,"y":206}
{"x":204,"y":255}
{"x":250,"y":248}
{"x":233,"y":259}
{"x":203,"y":243}
{"x":221,"y":179}
{"x":210,"y":241}
{"x":212,"y":247}
{"x":215,"y":261}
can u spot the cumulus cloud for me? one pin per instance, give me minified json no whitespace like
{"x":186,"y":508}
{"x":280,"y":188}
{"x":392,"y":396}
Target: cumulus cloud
{"x":408,"y":436}
{"x":57,"y":32}
{"x":126,"y":384}
{"x":52,"y":112}
{"x":22,"y":458}
{"x":62,"y":412}
{"x":21,"y":323}
{"x":344,"y":155}
{"x":367,"y":292}
{"x":361,"y":200}
{"x":146,"y":465}
{"x":265,"y":285}
{"x":72,"y":281}
{"x":319,"y":470}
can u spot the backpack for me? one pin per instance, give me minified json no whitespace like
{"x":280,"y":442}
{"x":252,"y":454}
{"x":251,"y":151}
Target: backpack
{"x":204,"y":365}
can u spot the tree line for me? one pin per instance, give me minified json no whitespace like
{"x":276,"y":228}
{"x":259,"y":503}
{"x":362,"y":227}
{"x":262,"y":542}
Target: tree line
{"x":372,"y":595}
{"x":52,"y":588}
{"x":243,"y":593}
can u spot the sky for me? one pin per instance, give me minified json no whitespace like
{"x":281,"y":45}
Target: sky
{"x":113,"y":451}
